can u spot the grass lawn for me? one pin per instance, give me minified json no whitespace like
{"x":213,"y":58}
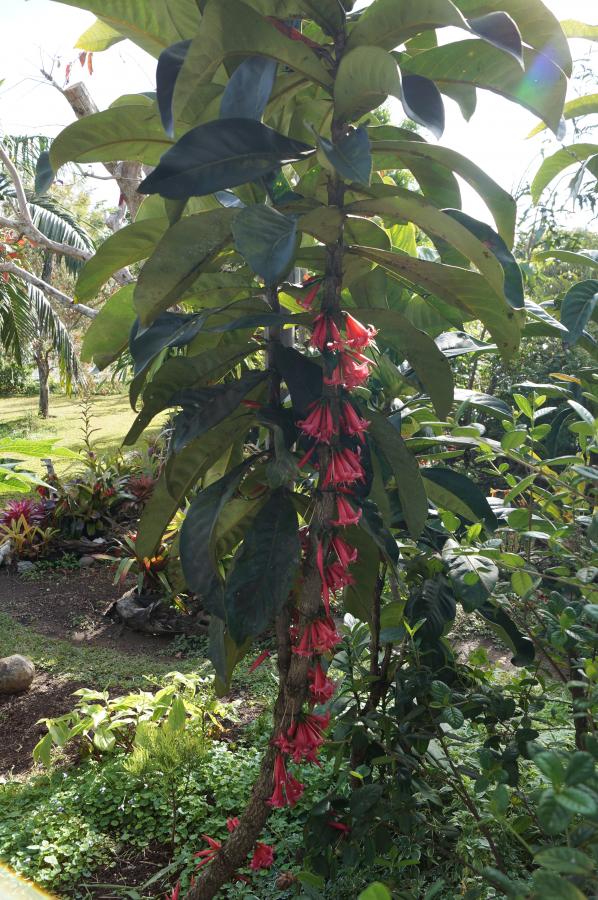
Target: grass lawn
{"x":112,"y":417}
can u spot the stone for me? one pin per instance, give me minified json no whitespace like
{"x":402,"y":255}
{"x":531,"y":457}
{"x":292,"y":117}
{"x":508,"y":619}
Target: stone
{"x":86,"y":561}
{"x":25,"y":566}
{"x":16,"y":674}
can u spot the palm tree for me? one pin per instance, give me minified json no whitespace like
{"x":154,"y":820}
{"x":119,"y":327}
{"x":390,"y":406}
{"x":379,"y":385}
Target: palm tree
{"x":29,"y":324}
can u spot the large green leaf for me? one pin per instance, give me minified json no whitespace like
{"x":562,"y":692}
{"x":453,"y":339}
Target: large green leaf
{"x":466,"y":290}
{"x":423,"y":104}
{"x":266,"y":239}
{"x":221,"y":154}
{"x":580,"y":106}
{"x":451,"y":490}
{"x":131,"y":132}
{"x":539,"y":27}
{"x":583,"y":258}
{"x":358,"y":597}
{"x":303,"y":378}
{"x":205,"y":407}
{"x":557,"y":163}
{"x":416,"y":154}
{"x":108,"y":334}
{"x":387,"y":24}
{"x":200,"y":569}
{"x":168,"y":69}
{"x":129,"y":245}
{"x":506,"y":629}
{"x":232,"y":29}
{"x":406,"y":206}
{"x":152,"y":24}
{"x":578,"y":307}
{"x":98,"y":37}
{"x":249,"y":88}
{"x":178,"y":259}
{"x":541,"y":88}
{"x":576,"y":29}
{"x":351,"y":156}
{"x":430,"y":364}
{"x":473,"y":577}
{"x":264,"y":569}
{"x":365,"y":78}
{"x":405,"y":470}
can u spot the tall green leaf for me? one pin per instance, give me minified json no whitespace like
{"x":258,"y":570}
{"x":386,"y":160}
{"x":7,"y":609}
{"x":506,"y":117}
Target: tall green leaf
{"x":266,"y":239}
{"x":366,"y":77}
{"x":451,"y":490}
{"x":108,"y":334}
{"x":578,"y":308}
{"x":386,"y":24}
{"x":557,"y":163}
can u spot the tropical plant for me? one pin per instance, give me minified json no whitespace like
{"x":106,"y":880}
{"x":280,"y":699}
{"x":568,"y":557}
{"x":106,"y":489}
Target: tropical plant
{"x":273,"y":227}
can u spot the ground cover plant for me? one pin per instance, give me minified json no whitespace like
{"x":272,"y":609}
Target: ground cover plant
{"x":333,"y":492}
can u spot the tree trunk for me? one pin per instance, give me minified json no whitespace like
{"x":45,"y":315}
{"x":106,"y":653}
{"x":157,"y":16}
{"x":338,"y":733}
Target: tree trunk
{"x":42,"y":359}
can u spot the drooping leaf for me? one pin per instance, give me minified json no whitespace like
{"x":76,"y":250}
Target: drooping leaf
{"x":499,"y":29}
{"x":583,"y":258}
{"x":178,"y":259}
{"x":248,"y":90}
{"x":405,"y":469}
{"x":474,"y":577}
{"x":451,"y":490}
{"x":130,"y":133}
{"x":513,"y":283}
{"x":357,"y":598}
{"x":422,"y":102}
{"x":430,"y":364}
{"x":557,"y":163}
{"x":224,"y":655}
{"x":491,"y":406}
{"x":477,"y":63}
{"x":506,"y":629}
{"x":170,"y":63}
{"x":266,"y":239}
{"x":200,"y":566}
{"x":303,"y":378}
{"x":365,"y":78}
{"x":153,"y":26}
{"x":264,"y":569}
{"x":108,"y":334}
{"x":351,"y":156}
{"x":44,"y":173}
{"x":221,"y":154}
{"x":129,"y":245}
{"x":235,"y":30}
{"x":386,"y":24}
{"x":204,"y":407}
{"x":573,"y":109}
{"x":578,"y":308}
{"x":435,"y":604}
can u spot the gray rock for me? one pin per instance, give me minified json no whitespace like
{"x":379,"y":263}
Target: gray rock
{"x":25,"y":566}
{"x":16,"y":674}
{"x":86,"y":561}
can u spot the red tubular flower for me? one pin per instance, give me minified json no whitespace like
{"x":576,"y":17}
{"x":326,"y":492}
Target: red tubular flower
{"x":304,"y":738}
{"x":351,"y":423}
{"x":358,"y":335}
{"x":325,"y":334}
{"x":319,"y":423}
{"x":175,"y":892}
{"x":307,"y":301}
{"x":344,"y":468}
{"x":322,"y":571}
{"x":352,"y":370}
{"x":259,"y":660}
{"x":339,"y":826}
{"x":320,"y":636}
{"x":263,"y":857}
{"x":232,"y":823}
{"x":206,"y":856}
{"x":337,"y":578}
{"x":287,"y":790}
{"x":321,"y":687}
{"x":345,"y":512}
{"x":345,"y":552}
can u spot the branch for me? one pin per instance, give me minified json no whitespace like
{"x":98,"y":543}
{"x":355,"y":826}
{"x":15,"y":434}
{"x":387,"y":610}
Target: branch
{"x":25,"y":223}
{"x":48,"y":289}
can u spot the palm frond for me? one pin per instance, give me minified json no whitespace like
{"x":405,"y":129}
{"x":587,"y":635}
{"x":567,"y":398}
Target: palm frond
{"x":57,"y":224}
{"x":17,"y":319}
{"x":24,"y":150}
{"x":51,"y":327}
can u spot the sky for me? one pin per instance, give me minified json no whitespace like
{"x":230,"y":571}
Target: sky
{"x":40,"y":34}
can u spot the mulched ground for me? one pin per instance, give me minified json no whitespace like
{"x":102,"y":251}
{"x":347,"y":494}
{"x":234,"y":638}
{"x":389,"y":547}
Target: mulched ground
{"x":132,"y":868}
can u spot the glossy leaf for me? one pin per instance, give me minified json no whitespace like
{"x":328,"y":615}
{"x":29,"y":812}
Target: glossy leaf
{"x":129,"y":245}
{"x":178,"y":260}
{"x":478,"y":63}
{"x":506,"y":629}
{"x":451,"y":490}
{"x":405,"y":469}
{"x":303,"y":378}
{"x":108,"y":334}
{"x":559,"y":162}
{"x":387,"y":24}
{"x":474,"y":577}
{"x":365,"y":78}
{"x":170,"y":63}
{"x":130,"y":133}
{"x":422,"y":102}
{"x":266,"y":239}
{"x":264,"y":569}
{"x":578,"y":308}
{"x":248,"y":90}
{"x":201,"y":569}
{"x":513,"y":279}
{"x":499,"y":29}
{"x":233,"y":29}
{"x":351,"y":156}
{"x":220,"y":155}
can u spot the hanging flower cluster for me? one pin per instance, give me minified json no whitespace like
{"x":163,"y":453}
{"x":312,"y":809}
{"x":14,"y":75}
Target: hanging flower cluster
{"x":334,"y":422}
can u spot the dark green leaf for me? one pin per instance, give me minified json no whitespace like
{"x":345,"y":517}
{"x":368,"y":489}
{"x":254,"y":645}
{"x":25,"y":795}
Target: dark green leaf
{"x":248,"y":90}
{"x":170,"y":63}
{"x":266,"y":239}
{"x":303,"y":378}
{"x":351,"y":156}
{"x":551,"y":815}
{"x":566,"y":860}
{"x":224,"y":654}
{"x":551,"y":886}
{"x":221,"y":154}
{"x":422,"y":102}
{"x":461,"y":566}
{"x":264,"y":569}
{"x":499,"y":29}
{"x":107,"y":335}
{"x":577,"y":800}
{"x":451,"y":490}
{"x":509,"y":633}
{"x":578,"y":307}
{"x":44,"y":173}
{"x":435,"y":603}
